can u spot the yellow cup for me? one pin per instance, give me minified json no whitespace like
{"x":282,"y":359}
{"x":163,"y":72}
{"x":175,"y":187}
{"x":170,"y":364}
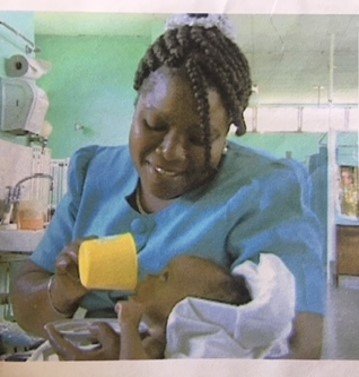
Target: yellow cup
{"x":109,"y":263}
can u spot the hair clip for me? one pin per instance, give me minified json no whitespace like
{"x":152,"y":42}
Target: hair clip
{"x":220,"y":21}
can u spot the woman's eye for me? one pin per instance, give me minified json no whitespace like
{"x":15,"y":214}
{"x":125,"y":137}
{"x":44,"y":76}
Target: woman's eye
{"x":155,"y":127}
{"x":197,"y":140}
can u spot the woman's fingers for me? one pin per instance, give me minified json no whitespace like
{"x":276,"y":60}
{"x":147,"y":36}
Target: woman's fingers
{"x":66,"y":266}
{"x":66,"y":288}
{"x":105,"y":334}
{"x":68,"y":351}
{"x":64,"y":348}
{"x":109,"y":341}
{"x":67,"y":262}
{"x":102,"y":330}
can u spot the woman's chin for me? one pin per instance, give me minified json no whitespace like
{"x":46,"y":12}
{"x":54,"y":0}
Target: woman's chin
{"x":167,"y":193}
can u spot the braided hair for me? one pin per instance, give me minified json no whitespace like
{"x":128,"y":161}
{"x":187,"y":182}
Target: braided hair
{"x":210,"y":60}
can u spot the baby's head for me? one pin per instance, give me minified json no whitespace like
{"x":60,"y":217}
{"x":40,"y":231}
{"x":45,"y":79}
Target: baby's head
{"x":188,"y":276}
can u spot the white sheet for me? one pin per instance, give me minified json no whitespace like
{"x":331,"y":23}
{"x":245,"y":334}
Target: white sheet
{"x":206,"y":329}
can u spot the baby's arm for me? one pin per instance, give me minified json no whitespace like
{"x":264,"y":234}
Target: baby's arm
{"x":129,"y":315}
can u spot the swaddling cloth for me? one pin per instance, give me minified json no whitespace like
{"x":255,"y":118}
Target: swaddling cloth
{"x":207,"y":329}
{"x":109,"y":263}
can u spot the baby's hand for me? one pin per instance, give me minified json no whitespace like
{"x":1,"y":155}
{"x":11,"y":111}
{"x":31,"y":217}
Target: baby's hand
{"x":129,"y":312}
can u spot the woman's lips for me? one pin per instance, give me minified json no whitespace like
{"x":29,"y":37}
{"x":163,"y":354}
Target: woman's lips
{"x":166,"y":172}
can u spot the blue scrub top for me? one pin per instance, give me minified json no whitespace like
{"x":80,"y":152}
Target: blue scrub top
{"x":255,"y":204}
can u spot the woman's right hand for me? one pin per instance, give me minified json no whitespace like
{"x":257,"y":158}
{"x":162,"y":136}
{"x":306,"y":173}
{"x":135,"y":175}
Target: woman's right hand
{"x":66,"y":289}
{"x":39,"y":297}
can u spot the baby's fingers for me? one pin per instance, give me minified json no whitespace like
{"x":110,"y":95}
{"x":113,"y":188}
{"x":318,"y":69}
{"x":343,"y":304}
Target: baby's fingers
{"x":129,"y":311}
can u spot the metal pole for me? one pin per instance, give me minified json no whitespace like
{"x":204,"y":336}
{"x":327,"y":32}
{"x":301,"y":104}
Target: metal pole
{"x":332,"y":163}
{"x":331,"y":68}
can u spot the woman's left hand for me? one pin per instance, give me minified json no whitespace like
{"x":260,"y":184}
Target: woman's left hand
{"x":108,"y":347}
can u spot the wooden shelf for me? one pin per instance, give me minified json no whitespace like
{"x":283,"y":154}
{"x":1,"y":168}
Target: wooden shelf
{"x":347,"y":247}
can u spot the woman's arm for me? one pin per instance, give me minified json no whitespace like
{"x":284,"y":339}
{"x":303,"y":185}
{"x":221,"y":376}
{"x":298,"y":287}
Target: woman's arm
{"x":30,"y":294}
{"x":109,"y":345}
{"x":38,"y":300}
{"x":306,"y":342}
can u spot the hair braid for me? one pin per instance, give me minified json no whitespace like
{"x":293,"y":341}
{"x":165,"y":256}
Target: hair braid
{"x":175,"y":50}
{"x":200,"y":94}
{"x":238,"y":68}
{"x":215,"y":68}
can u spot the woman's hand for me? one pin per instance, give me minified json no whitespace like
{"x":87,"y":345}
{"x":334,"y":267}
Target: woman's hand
{"x":307,"y":339}
{"x":107,"y":347}
{"x":39,"y":297}
{"x":66,"y":289}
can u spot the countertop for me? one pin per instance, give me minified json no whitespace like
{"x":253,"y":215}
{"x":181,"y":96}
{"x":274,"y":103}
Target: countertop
{"x":24,"y":241}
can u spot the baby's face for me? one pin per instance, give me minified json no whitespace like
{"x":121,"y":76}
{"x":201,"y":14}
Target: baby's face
{"x":185,"y":276}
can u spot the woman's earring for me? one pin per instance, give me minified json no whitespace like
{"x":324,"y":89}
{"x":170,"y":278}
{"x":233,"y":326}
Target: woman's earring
{"x":225,"y":150}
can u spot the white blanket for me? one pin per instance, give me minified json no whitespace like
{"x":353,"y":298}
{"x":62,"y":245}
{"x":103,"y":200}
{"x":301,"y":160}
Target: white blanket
{"x":206,"y":329}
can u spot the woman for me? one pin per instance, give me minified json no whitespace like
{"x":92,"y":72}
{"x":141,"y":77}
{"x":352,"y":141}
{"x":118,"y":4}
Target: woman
{"x":180,"y":188}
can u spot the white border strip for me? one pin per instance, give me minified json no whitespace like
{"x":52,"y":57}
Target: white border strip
{"x":175,"y":6}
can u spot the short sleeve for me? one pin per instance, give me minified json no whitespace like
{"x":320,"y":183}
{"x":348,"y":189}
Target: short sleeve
{"x":278,"y":220}
{"x":59,"y":233}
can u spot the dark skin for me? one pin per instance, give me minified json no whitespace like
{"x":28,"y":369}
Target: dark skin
{"x":130,"y":345}
{"x":169,"y":157}
{"x":153,"y":301}
{"x":307,"y":338}
{"x":107,"y":348}
{"x":306,"y":341}
{"x":66,"y":292}
{"x":166,"y":142}
{"x":170,"y":160}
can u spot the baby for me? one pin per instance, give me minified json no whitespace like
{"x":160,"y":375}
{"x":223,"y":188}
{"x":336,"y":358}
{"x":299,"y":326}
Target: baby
{"x":154,"y":300}
{"x":156,"y":297}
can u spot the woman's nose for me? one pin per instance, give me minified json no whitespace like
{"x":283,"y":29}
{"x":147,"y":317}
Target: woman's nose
{"x":173,"y":147}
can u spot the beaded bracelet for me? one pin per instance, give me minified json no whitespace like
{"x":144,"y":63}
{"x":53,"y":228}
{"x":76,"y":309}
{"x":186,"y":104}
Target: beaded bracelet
{"x":49,"y":286}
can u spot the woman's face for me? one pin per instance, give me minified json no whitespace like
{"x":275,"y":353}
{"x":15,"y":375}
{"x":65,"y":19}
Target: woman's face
{"x":166,"y":140}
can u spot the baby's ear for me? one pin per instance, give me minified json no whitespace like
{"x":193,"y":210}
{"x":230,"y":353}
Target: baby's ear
{"x":164,"y":276}
{"x":242,"y":289}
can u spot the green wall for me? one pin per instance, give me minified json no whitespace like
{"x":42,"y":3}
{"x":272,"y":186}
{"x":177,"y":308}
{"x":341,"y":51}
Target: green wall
{"x":300,"y":145}
{"x":90,"y":84}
